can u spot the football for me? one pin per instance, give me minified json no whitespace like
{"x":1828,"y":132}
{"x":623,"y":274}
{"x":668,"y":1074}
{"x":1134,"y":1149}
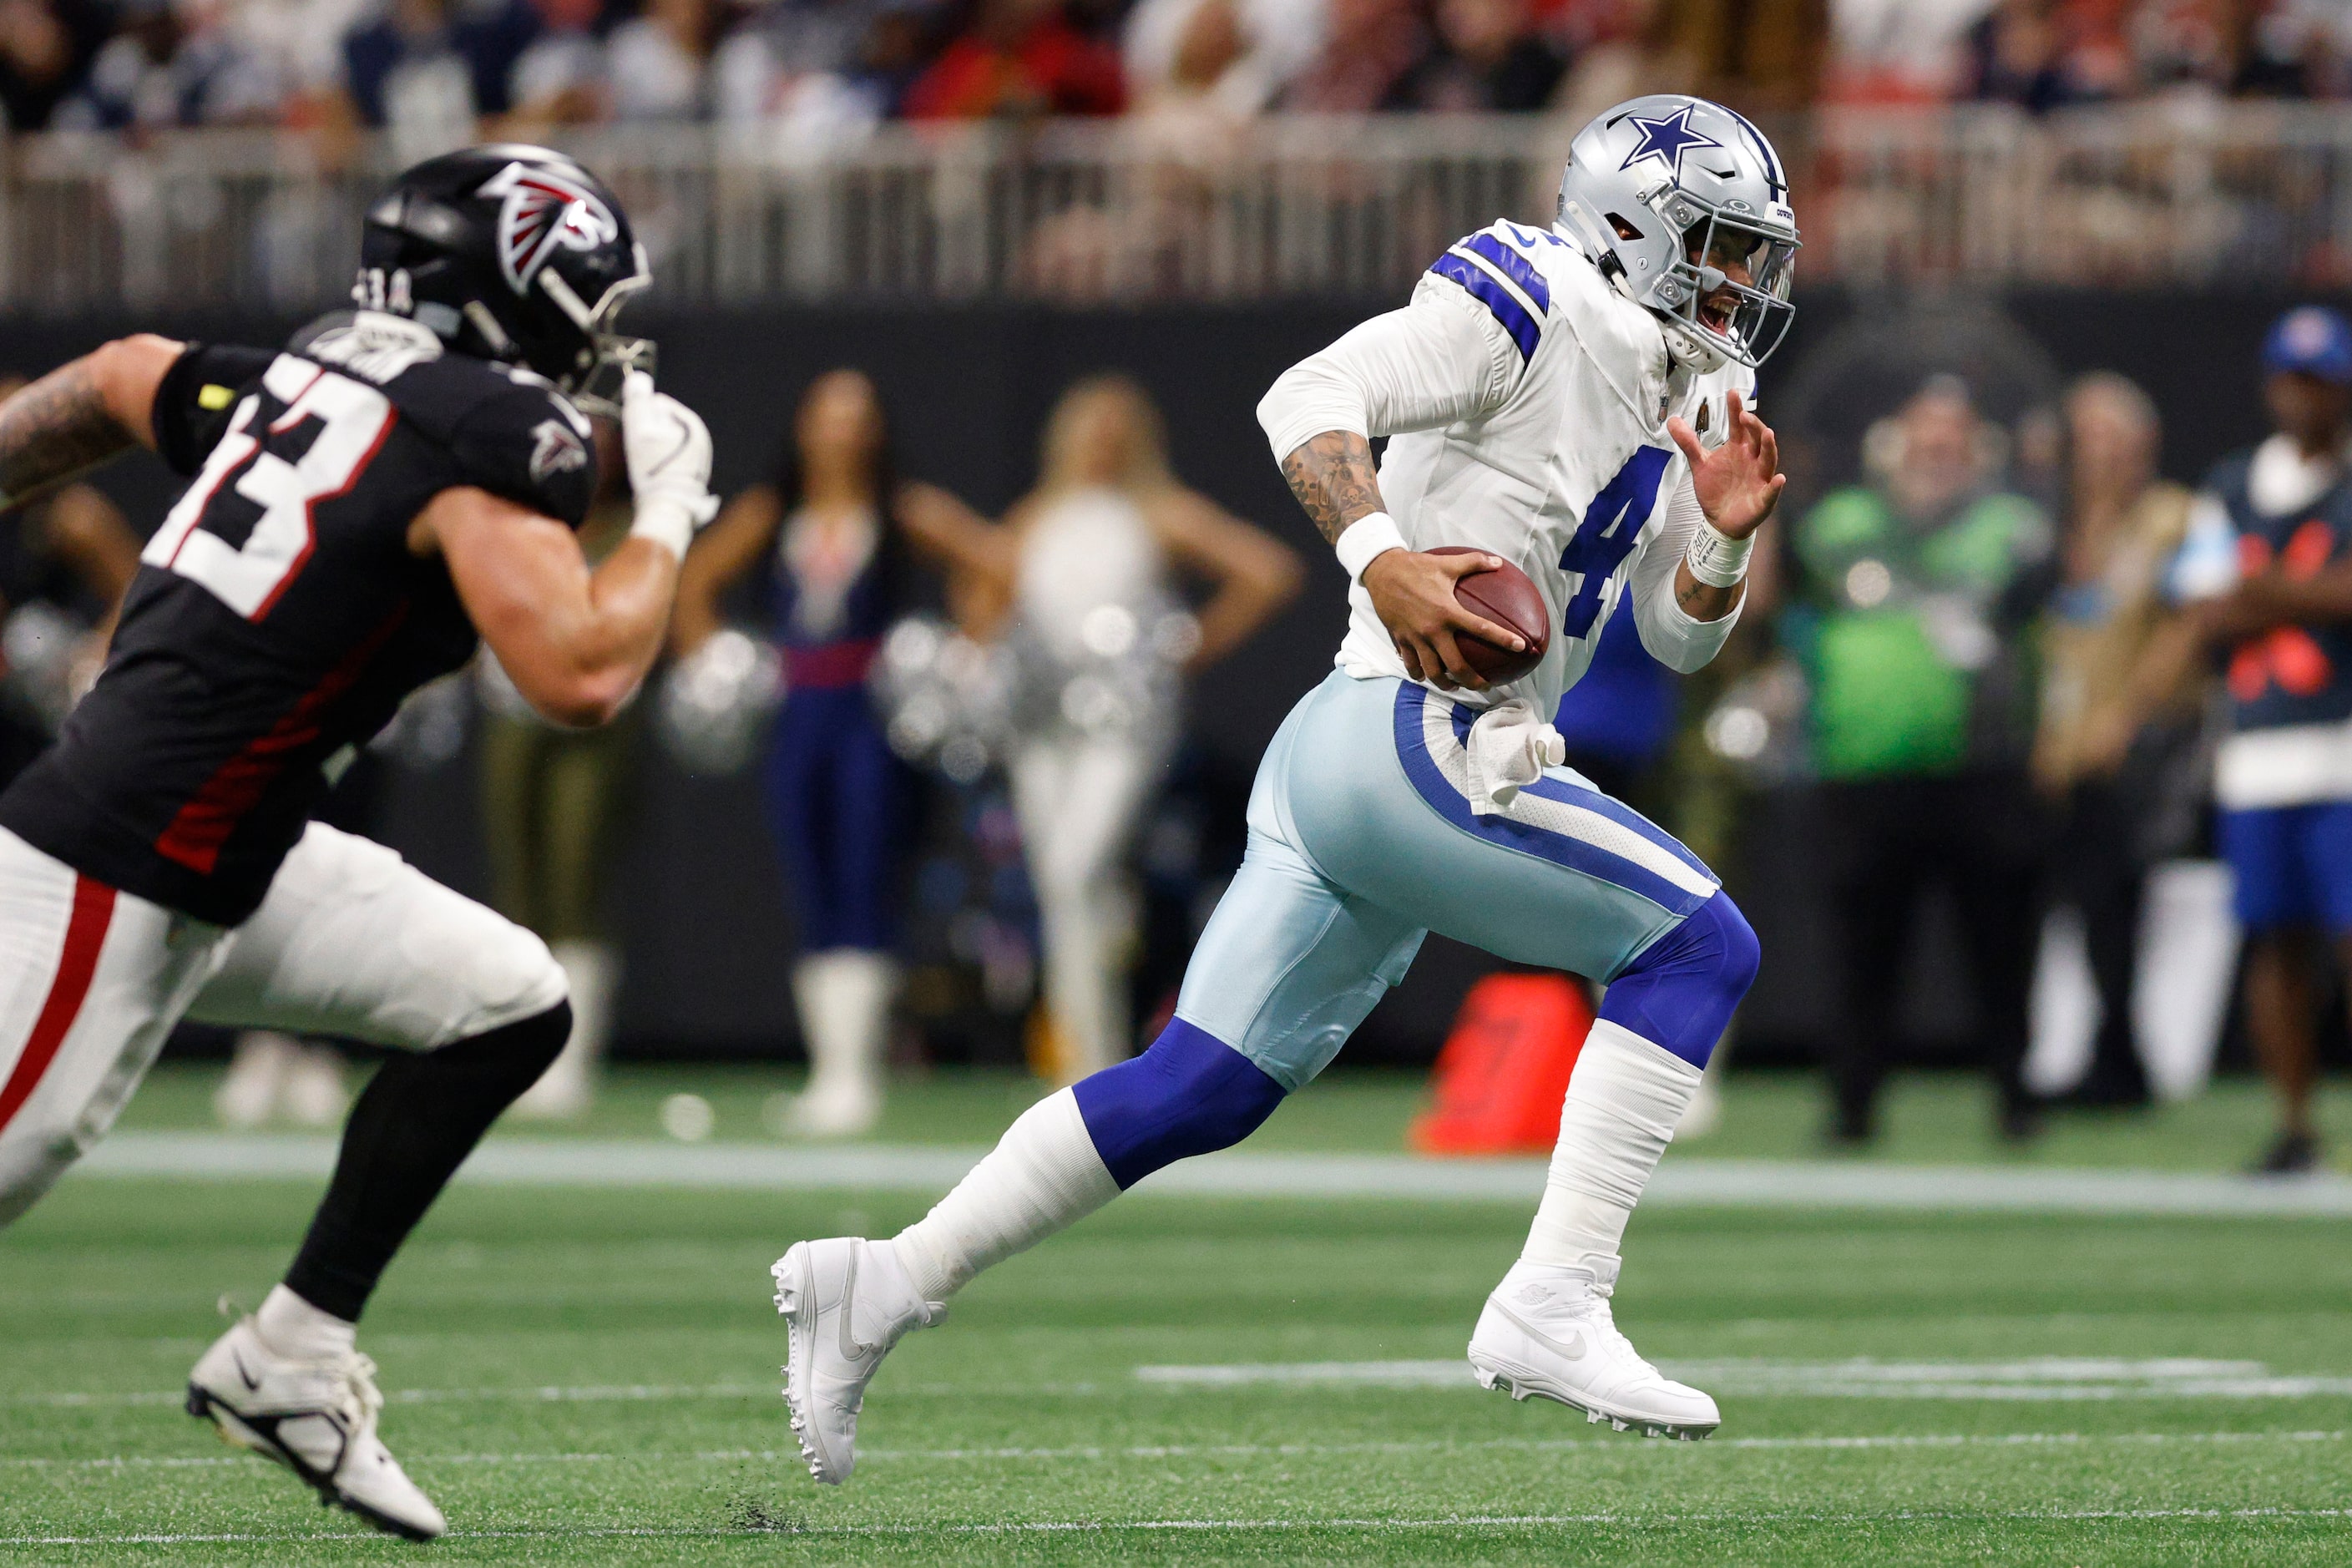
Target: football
{"x":1507,"y":597}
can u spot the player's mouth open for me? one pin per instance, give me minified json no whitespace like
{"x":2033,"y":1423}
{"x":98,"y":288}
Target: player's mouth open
{"x":1715,"y":315}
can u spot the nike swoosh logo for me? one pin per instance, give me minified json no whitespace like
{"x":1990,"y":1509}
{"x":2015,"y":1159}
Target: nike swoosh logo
{"x":1572,"y":1347}
{"x":850,"y":1349}
{"x":252,"y":1383}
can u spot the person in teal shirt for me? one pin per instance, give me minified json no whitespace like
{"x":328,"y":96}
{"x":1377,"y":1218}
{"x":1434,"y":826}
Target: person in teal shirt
{"x":1915,"y":593}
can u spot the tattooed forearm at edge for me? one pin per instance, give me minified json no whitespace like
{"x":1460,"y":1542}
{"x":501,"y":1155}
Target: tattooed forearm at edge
{"x":1334,"y":479}
{"x":55,"y":428}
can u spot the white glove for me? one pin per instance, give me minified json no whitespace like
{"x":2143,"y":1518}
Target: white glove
{"x":1509,"y":748}
{"x":669,"y":451}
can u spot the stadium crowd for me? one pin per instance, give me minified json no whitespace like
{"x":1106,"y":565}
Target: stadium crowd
{"x":521,"y":67}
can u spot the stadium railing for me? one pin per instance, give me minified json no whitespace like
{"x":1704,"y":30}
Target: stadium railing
{"x":2157,"y":193}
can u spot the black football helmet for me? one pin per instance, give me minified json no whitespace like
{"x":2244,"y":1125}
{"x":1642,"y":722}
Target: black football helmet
{"x":516,"y":254}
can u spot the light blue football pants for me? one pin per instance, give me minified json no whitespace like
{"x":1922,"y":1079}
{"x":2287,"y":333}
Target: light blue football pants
{"x":1361,"y":841}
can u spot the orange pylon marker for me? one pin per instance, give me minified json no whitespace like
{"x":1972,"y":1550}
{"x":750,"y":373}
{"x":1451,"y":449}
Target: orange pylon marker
{"x":1504,"y":1071}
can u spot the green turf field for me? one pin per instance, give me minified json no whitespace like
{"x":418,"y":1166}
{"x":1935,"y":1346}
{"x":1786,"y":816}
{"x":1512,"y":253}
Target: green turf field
{"x":587,"y":1376}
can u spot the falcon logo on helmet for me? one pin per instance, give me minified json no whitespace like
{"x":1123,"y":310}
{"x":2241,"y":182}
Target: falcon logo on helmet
{"x":516,"y":254}
{"x":542,"y":210}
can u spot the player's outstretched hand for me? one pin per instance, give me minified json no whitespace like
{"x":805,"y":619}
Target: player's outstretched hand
{"x":1740,"y":482}
{"x":1414,"y":595}
{"x":668,"y":452}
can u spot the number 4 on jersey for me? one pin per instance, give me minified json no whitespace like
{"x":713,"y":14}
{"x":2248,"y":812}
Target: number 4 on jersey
{"x":1611,"y":527}
{"x":352,"y":420}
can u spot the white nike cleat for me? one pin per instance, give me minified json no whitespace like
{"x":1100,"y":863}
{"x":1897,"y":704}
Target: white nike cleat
{"x":1548,"y":1330}
{"x":845,"y":1301}
{"x":317,"y":1420}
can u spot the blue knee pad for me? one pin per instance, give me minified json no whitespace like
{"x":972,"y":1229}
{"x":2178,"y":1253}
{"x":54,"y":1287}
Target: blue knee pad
{"x":1680,"y":990}
{"x":1190,"y":1094}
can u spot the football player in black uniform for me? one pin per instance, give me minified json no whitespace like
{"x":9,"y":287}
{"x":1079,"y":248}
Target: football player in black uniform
{"x":366,"y":502}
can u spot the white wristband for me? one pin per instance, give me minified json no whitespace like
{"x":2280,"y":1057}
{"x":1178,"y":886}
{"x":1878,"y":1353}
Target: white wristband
{"x":1374,"y":533}
{"x":664,"y":521}
{"x":1716,"y":559}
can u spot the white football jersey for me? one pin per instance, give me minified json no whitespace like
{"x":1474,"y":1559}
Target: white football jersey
{"x":1527,"y":402}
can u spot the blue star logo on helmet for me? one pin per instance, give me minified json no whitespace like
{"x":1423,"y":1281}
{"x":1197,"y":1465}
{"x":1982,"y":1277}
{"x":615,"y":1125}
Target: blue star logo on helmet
{"x":1666,"y":139}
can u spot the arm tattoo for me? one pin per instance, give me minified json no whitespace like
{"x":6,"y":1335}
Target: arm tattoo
{"x":1333,"y":478}
{"x":54,"y":429}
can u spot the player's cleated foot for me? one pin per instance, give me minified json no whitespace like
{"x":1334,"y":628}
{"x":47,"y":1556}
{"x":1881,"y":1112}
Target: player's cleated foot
{"x":1549,"y":1332}
{"x":845,"y":1303}
{"x":2295,"y":1154}
{"x":317,"y":1420}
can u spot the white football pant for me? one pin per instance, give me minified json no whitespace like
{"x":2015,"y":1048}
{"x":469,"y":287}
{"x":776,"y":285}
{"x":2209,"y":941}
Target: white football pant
{"x":352,"y":941}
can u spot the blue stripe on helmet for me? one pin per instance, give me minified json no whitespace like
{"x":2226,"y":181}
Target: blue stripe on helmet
{"x":1772,"y":175}
{"x":1499,"y":302}
{"x":1513,"y":265}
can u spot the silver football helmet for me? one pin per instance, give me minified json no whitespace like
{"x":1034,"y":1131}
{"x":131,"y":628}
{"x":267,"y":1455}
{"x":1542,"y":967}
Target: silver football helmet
{"x":1670,"y":194}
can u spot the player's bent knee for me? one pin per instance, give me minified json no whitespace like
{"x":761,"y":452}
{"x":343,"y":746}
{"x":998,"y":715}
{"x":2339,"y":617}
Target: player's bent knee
{"x":501,"y":973}
{"x":1681,"y":991}
{"x":511,"y":1057}
{"x":1190,"y":1094}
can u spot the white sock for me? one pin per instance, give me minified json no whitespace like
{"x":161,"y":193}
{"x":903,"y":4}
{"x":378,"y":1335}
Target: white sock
{"x":844,"y":1001}
{"x":293,"y":1327}
{"x":1043,"y":1175}
{"x":1623,"y":1102}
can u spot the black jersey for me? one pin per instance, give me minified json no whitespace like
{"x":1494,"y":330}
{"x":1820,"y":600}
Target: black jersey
{"x":278,"y":617}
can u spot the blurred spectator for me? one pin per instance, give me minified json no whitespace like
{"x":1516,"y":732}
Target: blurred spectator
{"x":301,"y":44}
{"x":836,"y":796}
{"x":1082,"y":567}
{"x":44,"y":47}
{"x":559,"y":79}
{"x":65,"y":562}
{"x":1019,"y":59}
{"x":829,"y":64}
{"x":428,"y":69}
{"x":2267,"y":567}
{"x":2022,"y":54}
{"x":1369,"y":49}
{"x":1916,"y":591}
{"x":1234,"y":57}
{"x":174,"y":63}
{"x":2110,"y":769}
{"x":1488,"y":56}
{"x":657,"y":61}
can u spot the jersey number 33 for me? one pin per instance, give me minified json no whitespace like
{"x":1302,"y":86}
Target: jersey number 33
{"x":197,"y":541}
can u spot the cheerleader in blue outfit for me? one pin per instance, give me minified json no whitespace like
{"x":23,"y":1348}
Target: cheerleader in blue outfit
{"x":835,"y":794}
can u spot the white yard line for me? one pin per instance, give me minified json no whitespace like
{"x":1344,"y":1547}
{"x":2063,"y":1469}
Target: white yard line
{"x":1162,"y":1451}
{"x":1740,"y":1184}
{"x":2035,"y":1380}
{"x":1113,"y":1527}
{"x":2045,"y":1379}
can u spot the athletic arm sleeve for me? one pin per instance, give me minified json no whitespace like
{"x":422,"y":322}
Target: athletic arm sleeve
{"x":1672,"y":637}
{"x":196,"y":398}
{"x":1441,"y":358}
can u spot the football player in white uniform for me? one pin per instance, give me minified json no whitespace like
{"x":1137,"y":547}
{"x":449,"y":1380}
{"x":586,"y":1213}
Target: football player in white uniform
{"x":1574,"y":400}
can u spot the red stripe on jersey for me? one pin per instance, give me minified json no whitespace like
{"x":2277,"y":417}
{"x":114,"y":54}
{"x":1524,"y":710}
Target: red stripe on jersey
{"x":93,"y":911}
{"x":196,"y":836}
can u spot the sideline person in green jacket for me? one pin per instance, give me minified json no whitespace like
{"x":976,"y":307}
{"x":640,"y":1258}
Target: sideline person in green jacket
{"x":1914,"y":595}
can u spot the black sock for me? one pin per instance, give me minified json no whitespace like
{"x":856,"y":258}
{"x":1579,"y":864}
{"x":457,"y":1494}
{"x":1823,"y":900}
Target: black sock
{"x":413,"y":1127}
